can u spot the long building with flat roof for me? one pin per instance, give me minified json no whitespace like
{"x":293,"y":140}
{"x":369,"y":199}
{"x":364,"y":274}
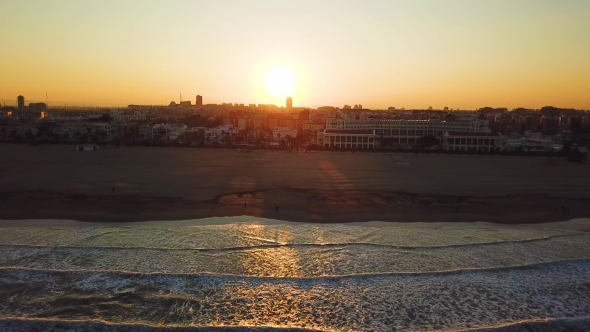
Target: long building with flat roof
{"x":409,"y":131}
{"x":471,"y":141}
{"x":349,"y":139}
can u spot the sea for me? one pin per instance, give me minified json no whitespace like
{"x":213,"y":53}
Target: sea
{"x":252,"y":274}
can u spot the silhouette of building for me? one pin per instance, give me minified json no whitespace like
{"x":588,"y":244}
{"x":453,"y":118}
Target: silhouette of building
{"x":37,"y":110}
{"x":20,"y":108}
{"x":199,"y":100}
{"x":21,"y":103}
{"x":289,"y":103}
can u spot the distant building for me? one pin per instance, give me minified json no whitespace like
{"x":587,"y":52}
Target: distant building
{"x":199,"y":100}
{"x":242,"y":123}
{"x":121,"y":116}
{"x":408,"y":131}
{"x":279,"y":133}
{"x":34,"y":107}
{"x":488,"y":109}
{"x":471,"y":141}
{"x":304,"y":115}
{"x":166,"y":131}
{"x":348,"y":139}
{"x":532,"y":144}
{"x":37,"y":110}
{"x":289,"y":103}
{"x":21,"y":103}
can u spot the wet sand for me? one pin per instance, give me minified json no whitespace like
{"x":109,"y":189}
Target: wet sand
{"x":178,"y":183}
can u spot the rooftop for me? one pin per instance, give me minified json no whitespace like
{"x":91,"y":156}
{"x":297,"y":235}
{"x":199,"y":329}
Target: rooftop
{"x":353,"y":132}
{"x":471,"y":134}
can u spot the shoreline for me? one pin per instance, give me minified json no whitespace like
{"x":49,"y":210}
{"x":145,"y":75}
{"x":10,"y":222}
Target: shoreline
{"x":295,"y":205}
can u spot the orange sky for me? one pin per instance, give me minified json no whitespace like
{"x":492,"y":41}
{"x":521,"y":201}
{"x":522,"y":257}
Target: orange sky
{"x":413,"y":54}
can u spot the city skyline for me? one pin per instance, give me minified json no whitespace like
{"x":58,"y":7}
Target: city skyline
{"x":286,"y":105}
{"x":457,"y":54}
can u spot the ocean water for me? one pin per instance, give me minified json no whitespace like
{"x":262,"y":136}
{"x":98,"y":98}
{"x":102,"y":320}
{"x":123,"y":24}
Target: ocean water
{"x":246,"y":274}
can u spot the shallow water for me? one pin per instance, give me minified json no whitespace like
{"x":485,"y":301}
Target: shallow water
{"x":253,"y":275}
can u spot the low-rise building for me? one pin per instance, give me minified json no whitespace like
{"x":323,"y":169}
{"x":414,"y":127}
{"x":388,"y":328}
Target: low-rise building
{"x":408,"y":131}
{"x":222,"y":133}
{"x":282,"y":132}
{"x":75,"y":129}
{"x":473,"y":141}
{"x":102,"y":130}
{"x":532,"y":144}
{"x":349,"y":139}
{"x":121,"y":116}
{"x":166,"y":131}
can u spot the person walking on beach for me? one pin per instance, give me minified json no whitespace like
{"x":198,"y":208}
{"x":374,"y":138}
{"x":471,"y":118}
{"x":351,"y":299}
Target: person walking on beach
{"x":277,"y":209}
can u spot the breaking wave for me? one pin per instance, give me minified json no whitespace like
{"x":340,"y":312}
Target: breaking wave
{"x":296,"y":277}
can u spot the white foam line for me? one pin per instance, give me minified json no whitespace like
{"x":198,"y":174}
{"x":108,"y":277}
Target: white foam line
{"x":327,"y":277}
{"x":530,"y":321}
{"x":158,"y":327}
{"x":275,"y":244}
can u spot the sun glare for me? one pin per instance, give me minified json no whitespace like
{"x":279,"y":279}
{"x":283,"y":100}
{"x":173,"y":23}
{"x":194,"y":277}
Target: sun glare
{"x":280,"y":82}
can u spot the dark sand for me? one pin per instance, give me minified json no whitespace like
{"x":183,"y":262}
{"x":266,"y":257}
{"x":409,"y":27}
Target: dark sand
{"x":178,"y":183}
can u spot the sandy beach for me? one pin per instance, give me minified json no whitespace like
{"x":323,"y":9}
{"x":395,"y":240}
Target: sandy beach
{"x":55,"y":182}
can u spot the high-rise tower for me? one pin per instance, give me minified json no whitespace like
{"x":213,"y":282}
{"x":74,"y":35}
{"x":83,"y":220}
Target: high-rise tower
{"x":20,"y":106}
{"x":289,"y":103}
{"x":21,"y":103}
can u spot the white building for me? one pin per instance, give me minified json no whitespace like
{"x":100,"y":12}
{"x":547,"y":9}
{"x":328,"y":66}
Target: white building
{"x":349,"y":139}
{"x":409,"y":131}
{"x":281,"y":132}
{"x":466,"y":141}
{"x":220,"y":133}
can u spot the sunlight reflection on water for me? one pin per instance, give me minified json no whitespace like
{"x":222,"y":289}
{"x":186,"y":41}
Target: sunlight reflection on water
{"x":327,"y":277}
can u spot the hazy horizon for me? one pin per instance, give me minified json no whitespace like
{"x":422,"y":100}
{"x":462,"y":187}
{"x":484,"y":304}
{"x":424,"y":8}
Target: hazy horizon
{"x":411,"y":54}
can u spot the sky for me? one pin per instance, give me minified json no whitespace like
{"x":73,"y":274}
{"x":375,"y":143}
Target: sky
{"x":379,"y":53}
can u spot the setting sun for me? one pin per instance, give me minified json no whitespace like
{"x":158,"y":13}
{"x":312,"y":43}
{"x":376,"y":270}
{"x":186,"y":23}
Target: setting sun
{"x":280,"y":82}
